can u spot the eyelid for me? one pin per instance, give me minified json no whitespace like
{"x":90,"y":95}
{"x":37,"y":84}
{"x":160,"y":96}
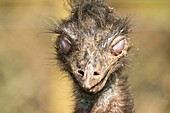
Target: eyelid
{"x":119,"y":46}
{"x":118,"y":39}
{"x":65,"y":45}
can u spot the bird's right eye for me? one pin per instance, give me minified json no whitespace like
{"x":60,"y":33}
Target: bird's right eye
{"x":65,"y":45}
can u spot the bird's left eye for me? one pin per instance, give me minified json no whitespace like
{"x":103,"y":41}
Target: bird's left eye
{"x":65,"y":45}
{"x":119,"y":47}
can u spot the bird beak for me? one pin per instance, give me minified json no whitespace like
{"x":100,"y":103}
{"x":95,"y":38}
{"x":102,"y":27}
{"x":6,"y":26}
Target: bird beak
{"x":91,"y":77}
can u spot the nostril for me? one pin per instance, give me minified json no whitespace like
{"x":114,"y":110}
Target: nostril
{"x":81,"y":72}
{"x":96,"y":73}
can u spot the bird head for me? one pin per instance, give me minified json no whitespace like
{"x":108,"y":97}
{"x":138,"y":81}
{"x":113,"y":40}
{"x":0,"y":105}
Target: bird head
{"x":92,"y":43}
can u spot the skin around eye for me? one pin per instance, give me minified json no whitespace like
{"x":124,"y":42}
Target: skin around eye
{"x":119,"y":46}
{"x":65,"y":45}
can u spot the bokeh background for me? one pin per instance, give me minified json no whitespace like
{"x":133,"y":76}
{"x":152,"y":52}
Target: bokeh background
{"x":30,"y":80}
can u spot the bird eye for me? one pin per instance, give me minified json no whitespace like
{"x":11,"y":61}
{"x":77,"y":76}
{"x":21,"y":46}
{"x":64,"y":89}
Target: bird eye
{"x":65,"y":45}
{"x":119,"y":47}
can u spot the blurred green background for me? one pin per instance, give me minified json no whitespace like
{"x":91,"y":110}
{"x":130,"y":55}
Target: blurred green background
{"x":30,"y":81}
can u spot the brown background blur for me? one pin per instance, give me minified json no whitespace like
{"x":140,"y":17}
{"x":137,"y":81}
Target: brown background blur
{"x":29,"y":78}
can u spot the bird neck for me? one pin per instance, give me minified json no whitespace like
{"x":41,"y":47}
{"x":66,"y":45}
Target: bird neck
{"x":115,"y":97}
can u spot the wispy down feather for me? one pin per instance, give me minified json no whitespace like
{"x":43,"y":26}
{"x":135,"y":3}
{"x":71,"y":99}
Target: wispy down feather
{"x":96,"y":9}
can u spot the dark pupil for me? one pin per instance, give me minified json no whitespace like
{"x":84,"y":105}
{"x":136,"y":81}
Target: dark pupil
{"x":65,"y":46}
